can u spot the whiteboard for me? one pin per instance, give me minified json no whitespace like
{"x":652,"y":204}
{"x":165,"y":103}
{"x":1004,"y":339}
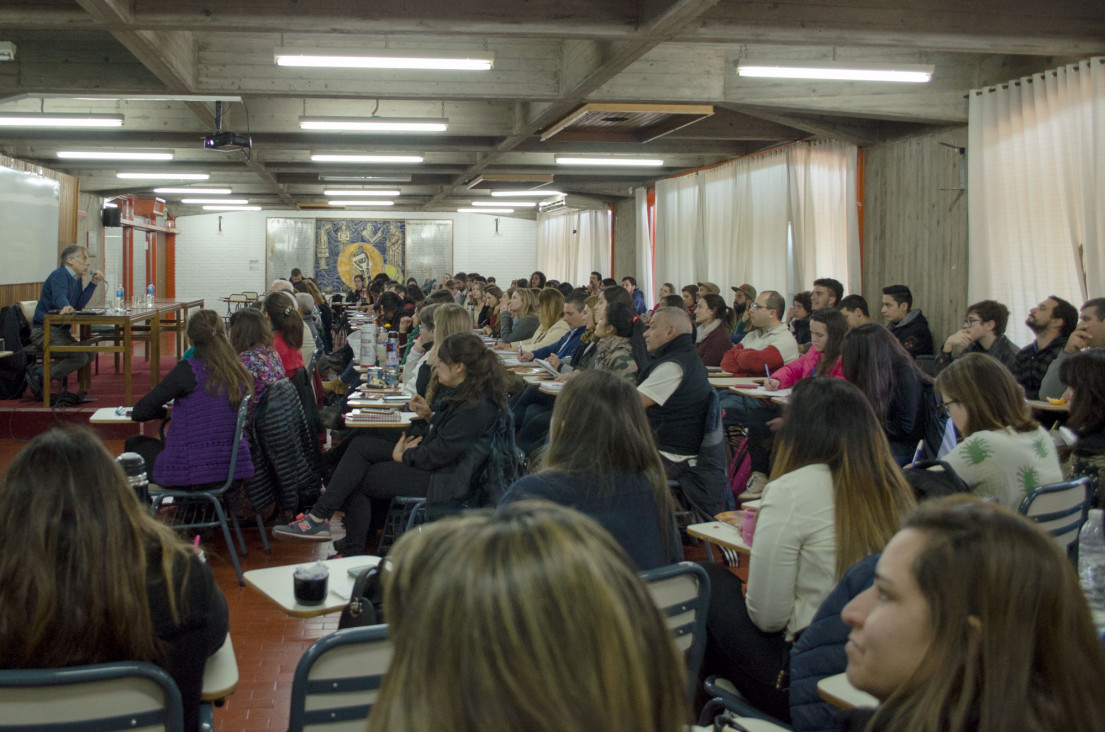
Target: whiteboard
{"x":289,"y":243}
{"x":429,"y":249}
{"x":29,"y":210}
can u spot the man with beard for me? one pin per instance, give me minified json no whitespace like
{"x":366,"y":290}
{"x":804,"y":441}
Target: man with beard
{"x":1052,"y":321}
{"x":743,"y":296}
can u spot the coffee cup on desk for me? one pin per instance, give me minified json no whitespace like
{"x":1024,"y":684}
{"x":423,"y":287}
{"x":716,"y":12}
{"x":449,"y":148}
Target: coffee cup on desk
{"x":311,"y":584}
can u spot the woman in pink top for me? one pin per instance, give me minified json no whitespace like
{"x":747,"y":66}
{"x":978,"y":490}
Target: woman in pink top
{"x":827,"y":329}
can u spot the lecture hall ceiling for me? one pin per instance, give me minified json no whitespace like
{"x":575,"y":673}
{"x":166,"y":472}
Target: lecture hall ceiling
{"x":654,"y":63}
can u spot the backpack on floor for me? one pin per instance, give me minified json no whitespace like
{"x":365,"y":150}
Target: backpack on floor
{"x":13,"y":369}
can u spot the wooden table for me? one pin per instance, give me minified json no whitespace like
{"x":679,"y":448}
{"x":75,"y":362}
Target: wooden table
{"x":124,"y":323}
{"x":724,"y":535}
{"x":1045,"y":406}
{"x":277,"y":585}
{"x":220,"y":673}
{"x":837,"y":690}
{"x":180,"y":309}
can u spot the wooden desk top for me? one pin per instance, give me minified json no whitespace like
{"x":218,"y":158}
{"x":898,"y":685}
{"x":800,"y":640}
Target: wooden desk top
{"x":1045,"y":406}
{"x":220,"y":673}
{"x":721,"y":534}
{"x":276,"y":584}
{"x":837,"y":690}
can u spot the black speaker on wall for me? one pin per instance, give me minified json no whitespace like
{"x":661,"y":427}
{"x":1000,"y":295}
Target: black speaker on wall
{"x":111,"y":217}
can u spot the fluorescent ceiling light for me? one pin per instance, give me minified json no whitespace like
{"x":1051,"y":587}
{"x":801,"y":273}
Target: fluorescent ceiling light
{"x":836,"y":71}
{"x":480,"y":62}
{"x":526,"y":194}
{"x":221,"y":201}
{"x":111,"y":205}
{"x":362,"y":178}
{"x":362,"y":203}
{"x":327,"y":158}
{"x":162,"y":176}
{"x":32,"y":119}
{"x":485,"y":210}
{"x":335,"y":192}
{"x":372,"y":124}
{"x":637,"y":162}
{"x":231,"y":208}
{"x":515,"y":204}
{"x":112,"y":155}
{"x":194,"y":191}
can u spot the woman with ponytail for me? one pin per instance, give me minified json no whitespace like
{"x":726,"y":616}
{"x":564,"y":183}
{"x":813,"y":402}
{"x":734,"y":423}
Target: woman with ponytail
{"x":287,"y":330}
{"x":206,"y":391}
{"x":466,"y":406}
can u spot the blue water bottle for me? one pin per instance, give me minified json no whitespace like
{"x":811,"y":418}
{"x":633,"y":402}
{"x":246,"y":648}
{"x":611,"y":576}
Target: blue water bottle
{"x":149,"y":294}
{"x":120,"y":297}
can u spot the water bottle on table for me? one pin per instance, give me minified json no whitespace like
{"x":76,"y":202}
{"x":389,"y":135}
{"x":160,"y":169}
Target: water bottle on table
{"x":149,"y":294}
{"x":1091,"y":565}
{"x":120,"y":297}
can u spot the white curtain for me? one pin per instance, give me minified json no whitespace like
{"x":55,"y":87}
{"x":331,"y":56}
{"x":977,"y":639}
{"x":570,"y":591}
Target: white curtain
{"x":729,"y":224}
{"x":644,"y":247}
{"x":761,"y":222}
{"x":823,"y":217}
{"x":572,"y":243}
{"x":1036,"y":176}
{"x":677,"y":230}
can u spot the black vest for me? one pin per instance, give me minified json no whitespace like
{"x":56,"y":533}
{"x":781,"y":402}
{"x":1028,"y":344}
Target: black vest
{"x":680,"y":423}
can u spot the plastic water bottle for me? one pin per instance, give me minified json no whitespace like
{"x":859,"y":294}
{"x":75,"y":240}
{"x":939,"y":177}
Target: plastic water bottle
{"x":149,"y":294}
{"x":120,"y":297}
{"x":392,"y":360}
{"x":1091,"y":565}
{"x":367,"y":355}
{"x":381,"y":346}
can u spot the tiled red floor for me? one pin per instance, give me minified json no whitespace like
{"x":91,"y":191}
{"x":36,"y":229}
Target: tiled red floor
{"x":267,"y":643}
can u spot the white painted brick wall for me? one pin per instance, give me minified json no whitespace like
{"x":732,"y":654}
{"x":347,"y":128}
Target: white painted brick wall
{"x":213,"y":264}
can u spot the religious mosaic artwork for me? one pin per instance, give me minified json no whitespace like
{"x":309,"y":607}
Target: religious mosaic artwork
{"x":345,"y":248}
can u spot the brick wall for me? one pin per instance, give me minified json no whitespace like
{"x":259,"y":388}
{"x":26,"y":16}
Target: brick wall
{"x":211,"y":263}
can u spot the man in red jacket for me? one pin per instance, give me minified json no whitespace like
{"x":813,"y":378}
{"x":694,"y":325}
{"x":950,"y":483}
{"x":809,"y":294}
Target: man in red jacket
{"x":771,"y":345}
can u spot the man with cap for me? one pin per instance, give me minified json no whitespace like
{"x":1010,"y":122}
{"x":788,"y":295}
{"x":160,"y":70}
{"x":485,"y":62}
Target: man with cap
{"x":708,"y":288}
{"x":743,"y":296}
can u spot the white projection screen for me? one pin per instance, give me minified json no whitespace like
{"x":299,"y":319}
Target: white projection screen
{"x":29,"y":207}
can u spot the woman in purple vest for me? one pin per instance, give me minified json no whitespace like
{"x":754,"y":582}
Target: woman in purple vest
{"x":206,"y":391}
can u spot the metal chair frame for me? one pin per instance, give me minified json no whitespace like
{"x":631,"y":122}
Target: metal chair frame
{"x":1076,"y":512}
{"x":215,"y":498}
{"x":324,"y":694}
{"x":86,"y":687}
{"x":684,"y":612}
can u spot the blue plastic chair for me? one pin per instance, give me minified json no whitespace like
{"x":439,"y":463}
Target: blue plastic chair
{"x":1060,"y":509}
{"x":103,"y":697}
{"x":338,"y":678}
{"x":682,"y":592}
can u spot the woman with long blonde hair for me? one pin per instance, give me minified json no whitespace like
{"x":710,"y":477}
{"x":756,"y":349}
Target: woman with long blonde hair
{"x":88,"y":576}
{"x":550,"y":311}
{"x":532,"y":619}
{"x":520,"y":321}
{"x":975,"y":623}
{"x":835,"y":495}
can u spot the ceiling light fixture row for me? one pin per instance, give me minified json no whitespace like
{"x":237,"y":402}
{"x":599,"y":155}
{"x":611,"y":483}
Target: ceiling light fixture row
{"x":836,"y":71}
{"x":354,"y":60}
{"x":372,"y":124}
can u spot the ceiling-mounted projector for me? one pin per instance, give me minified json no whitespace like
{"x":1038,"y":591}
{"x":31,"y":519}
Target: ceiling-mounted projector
{"x":227,"y":142}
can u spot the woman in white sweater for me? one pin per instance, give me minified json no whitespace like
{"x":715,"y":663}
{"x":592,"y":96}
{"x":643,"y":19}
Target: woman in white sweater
{"x":835,"y":496}
{"x":1005,"y":453}
{"x":550,"y":303}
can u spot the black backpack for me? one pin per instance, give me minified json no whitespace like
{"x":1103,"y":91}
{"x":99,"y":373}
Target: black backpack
{"x":16,"y":333}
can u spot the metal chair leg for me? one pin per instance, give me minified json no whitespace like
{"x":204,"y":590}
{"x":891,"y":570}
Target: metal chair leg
{"x":229,"y":541}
